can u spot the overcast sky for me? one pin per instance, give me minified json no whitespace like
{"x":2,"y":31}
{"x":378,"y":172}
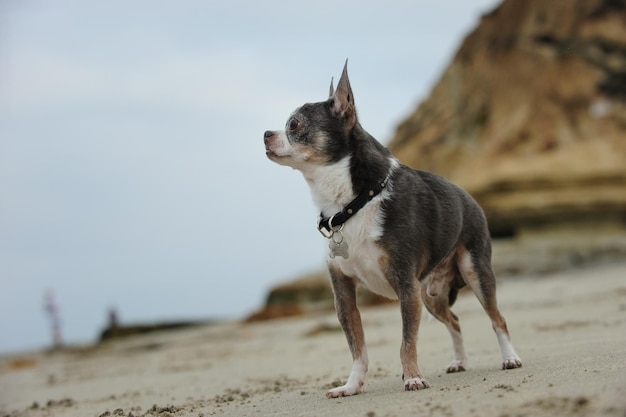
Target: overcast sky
{"x":132,"y":167}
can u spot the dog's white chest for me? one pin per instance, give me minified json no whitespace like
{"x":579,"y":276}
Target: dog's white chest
{"x":366,"y":259}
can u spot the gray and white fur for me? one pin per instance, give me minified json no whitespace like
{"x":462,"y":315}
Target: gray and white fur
{"x":420,"y":240}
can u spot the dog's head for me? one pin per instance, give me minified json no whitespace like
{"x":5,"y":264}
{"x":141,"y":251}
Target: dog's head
{"x":316,"y":133}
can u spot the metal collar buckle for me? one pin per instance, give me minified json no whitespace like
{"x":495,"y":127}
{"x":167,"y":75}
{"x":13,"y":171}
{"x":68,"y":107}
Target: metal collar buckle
{"x":330,"y":231}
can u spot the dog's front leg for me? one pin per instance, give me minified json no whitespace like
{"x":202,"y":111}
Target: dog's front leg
{"x":344,"y":289}
{"x":411,"y":310}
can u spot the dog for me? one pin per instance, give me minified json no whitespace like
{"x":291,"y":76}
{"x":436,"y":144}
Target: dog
{"x":405,"y":234}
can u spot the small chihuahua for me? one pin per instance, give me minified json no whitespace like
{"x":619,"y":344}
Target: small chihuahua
{"x":405,"y":234}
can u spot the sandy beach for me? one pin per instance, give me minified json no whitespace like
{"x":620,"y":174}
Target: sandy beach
{"x":569,"y":328}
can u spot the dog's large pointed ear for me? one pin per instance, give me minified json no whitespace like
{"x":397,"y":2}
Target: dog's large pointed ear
{"x":343,"y":99}
{"x":331,"y":90}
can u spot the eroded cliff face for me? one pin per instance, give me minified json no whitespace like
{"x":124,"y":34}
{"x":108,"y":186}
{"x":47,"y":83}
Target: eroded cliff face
{"x":530,"y":115}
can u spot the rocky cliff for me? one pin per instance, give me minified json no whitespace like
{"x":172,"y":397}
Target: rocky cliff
{"x":530,"y":115}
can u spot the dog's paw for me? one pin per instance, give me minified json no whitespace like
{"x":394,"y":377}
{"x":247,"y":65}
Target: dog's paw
{"x":344,"y":391}
{"x":512,"y":362}
{"x":414,"y":384}
{"x":456,"y":366}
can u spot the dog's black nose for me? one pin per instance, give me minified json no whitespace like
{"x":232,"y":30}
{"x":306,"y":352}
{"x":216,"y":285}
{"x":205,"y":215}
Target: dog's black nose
{"x":268,"y":134}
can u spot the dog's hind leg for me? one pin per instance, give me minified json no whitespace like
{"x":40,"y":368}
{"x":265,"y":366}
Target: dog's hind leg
{"x":439,"y":291}
{"x":478,"y":274}
{"x":439,"y":307}
{"x":344,"y":289}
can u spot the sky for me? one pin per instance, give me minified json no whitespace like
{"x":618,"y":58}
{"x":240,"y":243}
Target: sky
{"x":133,"y":173}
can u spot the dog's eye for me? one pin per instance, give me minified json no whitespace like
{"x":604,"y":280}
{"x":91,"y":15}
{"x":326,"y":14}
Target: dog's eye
{"x":293,"y":124}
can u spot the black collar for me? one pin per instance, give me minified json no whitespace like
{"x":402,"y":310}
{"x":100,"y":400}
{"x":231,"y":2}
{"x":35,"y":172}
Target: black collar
{"x":327,"y":225}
